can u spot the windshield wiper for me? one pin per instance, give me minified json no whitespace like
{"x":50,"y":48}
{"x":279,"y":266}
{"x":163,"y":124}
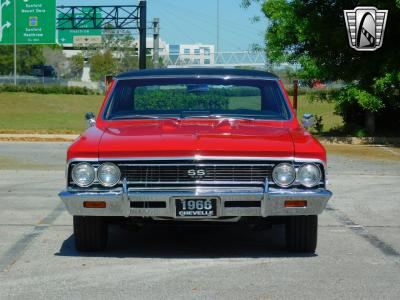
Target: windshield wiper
{"x":142,"y":117}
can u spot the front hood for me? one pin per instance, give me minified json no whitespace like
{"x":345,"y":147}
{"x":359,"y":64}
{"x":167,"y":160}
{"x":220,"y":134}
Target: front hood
{"x":169,"y":138}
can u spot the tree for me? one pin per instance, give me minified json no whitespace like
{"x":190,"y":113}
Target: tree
{"x":117,"y":53}
{"x":27,"y":55}
{"x":77,"y":62}
{"x":102,"y":63}
{"x":312,"y":33}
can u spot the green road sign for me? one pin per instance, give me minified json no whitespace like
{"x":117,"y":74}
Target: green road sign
{"x":35,"y":21}
{"x":66,"y":36}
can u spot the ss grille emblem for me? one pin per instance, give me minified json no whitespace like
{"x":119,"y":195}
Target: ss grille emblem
{"x":196,"y":173}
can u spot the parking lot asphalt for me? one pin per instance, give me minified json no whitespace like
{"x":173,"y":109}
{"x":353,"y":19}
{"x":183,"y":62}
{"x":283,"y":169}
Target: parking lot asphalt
{"x":358,"y":254}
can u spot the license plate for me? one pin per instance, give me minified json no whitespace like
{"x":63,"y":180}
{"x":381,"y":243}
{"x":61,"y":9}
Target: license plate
{"x":194,"y":207}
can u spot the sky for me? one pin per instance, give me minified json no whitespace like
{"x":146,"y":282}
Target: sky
{"x":195,"y":21}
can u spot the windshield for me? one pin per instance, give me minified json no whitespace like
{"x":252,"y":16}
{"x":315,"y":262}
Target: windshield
{"x":196,"y":98}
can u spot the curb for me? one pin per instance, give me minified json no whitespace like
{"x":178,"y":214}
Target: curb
{"x":359,"y":141}
{"x":38,"y":137}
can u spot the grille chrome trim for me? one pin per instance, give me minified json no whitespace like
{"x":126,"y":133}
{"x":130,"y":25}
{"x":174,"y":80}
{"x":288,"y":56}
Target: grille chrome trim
{"x":201,"y":157}
{"x":195,"y":164}
{"x":200,"y":161}
{"x":214,"y":173}
{"x":201,"y":182}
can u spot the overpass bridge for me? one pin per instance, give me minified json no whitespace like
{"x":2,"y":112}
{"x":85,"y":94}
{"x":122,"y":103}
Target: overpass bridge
{"x":218,"y":59}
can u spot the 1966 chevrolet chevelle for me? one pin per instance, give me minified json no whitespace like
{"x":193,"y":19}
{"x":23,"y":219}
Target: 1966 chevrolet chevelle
{"x":199,"y":145}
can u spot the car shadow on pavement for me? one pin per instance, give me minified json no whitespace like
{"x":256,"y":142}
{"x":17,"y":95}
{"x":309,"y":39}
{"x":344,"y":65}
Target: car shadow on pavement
{"x":183,"y":242}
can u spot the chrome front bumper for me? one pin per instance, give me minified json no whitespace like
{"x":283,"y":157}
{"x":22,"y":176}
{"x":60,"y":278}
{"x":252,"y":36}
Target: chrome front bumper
{"x":267,"y":202}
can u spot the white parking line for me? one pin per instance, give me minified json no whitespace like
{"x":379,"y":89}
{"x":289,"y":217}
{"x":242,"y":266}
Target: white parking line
{"x":15,"y":252}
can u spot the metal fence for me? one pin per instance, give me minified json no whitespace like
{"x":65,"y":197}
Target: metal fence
{"x":27,"y":79}
{"x":50,"y":81}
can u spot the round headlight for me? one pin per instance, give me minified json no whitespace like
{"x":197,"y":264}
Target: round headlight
{"x":284,"y":174}
{"x":108,"y":174}
{"x":309,"y":175}
{"x":83,"y":174}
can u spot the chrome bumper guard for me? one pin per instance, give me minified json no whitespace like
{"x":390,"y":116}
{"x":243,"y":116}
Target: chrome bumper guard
{"x":268,"y":202}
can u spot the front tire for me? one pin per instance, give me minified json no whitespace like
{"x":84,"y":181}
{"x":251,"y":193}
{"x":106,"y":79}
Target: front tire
{"x":90,"y":233}
{"x":301,"y":233}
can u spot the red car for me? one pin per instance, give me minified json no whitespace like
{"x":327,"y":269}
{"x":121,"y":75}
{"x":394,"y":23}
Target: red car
{"x":209,"y":145}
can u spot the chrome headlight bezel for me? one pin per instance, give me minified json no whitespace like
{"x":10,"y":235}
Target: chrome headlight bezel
{"x":89,"y":168}
{"x":289,"y":169}
{"x":117,"y":174}
{"x":301,"y":178}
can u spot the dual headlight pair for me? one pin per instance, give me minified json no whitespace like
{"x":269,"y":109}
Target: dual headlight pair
{"x":308,"y":175}
{"x":84,"y":174}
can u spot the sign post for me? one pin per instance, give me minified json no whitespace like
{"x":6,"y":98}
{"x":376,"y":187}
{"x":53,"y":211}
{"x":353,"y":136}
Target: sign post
{"x":27,"y":22}
{"x":15,"y":42}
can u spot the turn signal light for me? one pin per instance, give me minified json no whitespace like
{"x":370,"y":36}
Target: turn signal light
{"x":296,"y":203}
{"x":94,"y":204}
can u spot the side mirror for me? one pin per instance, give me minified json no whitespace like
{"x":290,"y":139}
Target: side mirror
{"x":90,"y":118}
{"x":307,"y":120}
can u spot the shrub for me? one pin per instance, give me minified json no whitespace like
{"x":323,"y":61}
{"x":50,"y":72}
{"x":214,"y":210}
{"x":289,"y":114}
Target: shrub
{"x":319,"y":124}
{"x":356,"y":103}
{"x":47,"y":89}
{"x":175,"y":99}
{"x":351,"y":103}
{"x":324,"y":94}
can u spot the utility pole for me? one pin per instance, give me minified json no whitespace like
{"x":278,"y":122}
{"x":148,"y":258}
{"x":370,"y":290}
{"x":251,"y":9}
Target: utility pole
{"x":142,"y":34}
{"x":156,"y":41}
{"x":217,"y":26}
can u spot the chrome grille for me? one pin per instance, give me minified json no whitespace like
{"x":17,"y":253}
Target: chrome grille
{"x":174,"y":173}
{"x":178,"y":173}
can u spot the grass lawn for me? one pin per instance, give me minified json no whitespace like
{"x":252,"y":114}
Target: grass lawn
{"x":53,"y":113}
{"x":50,"y":113}
{"x":323,"y":109}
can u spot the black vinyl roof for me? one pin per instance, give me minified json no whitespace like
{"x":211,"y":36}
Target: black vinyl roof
{"x":196,"y":71}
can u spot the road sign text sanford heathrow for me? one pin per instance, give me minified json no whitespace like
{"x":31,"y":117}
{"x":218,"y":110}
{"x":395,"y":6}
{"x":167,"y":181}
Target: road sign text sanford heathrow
{"x":35,"y":21}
